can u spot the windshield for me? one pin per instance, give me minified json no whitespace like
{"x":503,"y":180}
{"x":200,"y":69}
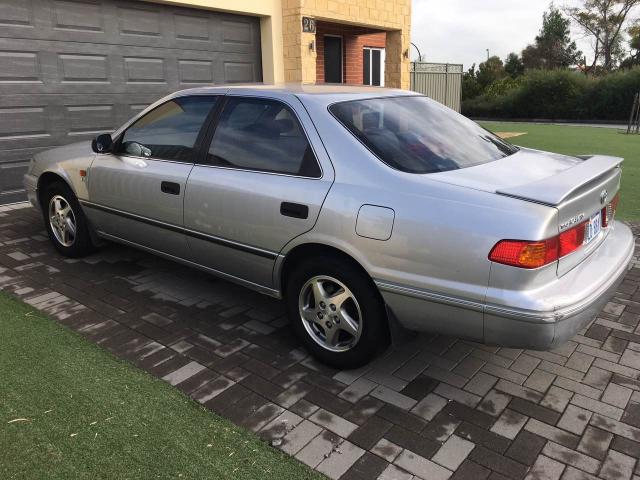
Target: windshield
{"x":417,"y":135}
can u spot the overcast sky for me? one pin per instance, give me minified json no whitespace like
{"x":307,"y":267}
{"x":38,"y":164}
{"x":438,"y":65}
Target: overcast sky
{"x":460,"y":31}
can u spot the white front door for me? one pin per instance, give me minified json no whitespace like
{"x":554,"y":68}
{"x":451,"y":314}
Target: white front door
{"x":373,"y":66}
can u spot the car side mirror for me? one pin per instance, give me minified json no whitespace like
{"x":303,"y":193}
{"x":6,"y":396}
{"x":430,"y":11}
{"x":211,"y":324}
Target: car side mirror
{"x":102,"y":143}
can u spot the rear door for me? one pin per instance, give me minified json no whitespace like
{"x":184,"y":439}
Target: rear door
{"x":136,"y":194}
{"x":261,"y":183}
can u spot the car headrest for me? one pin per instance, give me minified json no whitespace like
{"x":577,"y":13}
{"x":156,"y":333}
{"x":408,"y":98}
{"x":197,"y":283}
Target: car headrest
{"x":370,"y":120}
{"x":283,"y":125}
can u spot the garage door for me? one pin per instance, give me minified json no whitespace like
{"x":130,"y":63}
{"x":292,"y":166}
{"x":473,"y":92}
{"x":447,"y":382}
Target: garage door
{"x":70,"y":69}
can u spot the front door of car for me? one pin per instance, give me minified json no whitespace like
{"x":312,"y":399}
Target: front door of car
{"x":136,"y":193}
{"x":261,"y":184}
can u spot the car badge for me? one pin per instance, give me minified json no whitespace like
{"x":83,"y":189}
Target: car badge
{"x":604,"y":196}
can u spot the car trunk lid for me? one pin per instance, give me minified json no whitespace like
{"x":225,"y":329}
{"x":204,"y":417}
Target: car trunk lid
{"x":563,"y":185}
{"x":578,"y":187}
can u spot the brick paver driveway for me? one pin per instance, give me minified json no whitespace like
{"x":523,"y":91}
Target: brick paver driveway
{"x":432,"y":408}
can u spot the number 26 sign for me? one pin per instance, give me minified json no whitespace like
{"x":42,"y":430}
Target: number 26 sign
{"x":308,"y":25}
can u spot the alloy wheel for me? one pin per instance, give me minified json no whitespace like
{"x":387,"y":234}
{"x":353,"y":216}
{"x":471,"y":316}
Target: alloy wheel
{"x":330,"y":313}
{"x":62,"y":221}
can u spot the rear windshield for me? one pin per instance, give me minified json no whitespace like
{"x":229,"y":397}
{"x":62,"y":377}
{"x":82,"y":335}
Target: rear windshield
{"x":417,"y":135}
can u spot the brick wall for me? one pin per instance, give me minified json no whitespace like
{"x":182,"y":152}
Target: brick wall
{"x":354,"y":39}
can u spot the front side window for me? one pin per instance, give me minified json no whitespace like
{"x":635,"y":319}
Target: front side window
{"x":168,"y":132}
{"x":417,"y":135}
{"x":262,"y":135}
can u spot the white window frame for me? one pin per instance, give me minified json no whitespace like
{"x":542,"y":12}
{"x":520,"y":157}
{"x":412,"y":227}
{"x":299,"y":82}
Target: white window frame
{"x":382,"y":61}
{"x":341,"y":55}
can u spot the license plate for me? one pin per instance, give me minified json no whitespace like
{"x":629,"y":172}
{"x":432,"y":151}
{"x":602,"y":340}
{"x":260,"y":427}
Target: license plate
{"x":593,"y":228}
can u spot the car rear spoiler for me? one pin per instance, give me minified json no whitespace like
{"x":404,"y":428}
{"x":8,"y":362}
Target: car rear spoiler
{"x":556,"y":189}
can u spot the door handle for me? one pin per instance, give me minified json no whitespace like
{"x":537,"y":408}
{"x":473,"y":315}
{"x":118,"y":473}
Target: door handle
{"x":170,"y":187}
{"x":294,"y":210}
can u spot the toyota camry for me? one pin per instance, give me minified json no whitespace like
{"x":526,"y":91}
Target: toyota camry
{"x":362,"y":208}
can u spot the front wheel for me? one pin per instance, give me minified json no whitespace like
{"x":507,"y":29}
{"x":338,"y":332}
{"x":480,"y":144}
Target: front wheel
{"x":65,"y":221}
{"x":336,"y":312}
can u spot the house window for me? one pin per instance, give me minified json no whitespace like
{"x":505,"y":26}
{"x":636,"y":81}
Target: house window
{"x":373,"y":66}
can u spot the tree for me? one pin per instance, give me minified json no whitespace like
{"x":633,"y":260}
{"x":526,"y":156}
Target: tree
{"x":514,"y":65}
{"x":490,"y":71}
{"x":604,"y":21}
{"x":634,"y":44}
{"x":553,"y":47}
{"x":633,"y":58}
{"x":532,"y":58}
{"x":470,"y":86}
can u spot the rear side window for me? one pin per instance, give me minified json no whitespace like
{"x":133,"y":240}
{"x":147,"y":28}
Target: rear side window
{"x":168,"y":132}
{"x":418,"y":135}
{"x":262,"y":135}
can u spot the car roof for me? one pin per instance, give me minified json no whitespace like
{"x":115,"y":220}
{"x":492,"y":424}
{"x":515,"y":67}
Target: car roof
{"x":324,"y":93}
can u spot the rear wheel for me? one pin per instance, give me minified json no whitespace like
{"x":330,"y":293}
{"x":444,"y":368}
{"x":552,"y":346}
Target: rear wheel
{"x":65,"y":221}
{"x":336,"y":312}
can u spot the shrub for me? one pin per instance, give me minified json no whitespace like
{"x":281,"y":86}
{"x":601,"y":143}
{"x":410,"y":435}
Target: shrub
{"x":558,"y":94}
{"x":549,"y":94}
{"x":610,"y":96}
{"x":501,"y":87}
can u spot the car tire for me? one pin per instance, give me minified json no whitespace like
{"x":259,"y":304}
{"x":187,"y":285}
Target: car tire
{"x":65,"y":222}
{"x":356,"y":322}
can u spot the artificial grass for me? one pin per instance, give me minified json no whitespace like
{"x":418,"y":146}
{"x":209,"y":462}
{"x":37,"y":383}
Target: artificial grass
{"x":71,"y":410}
{"x":582,"y":141}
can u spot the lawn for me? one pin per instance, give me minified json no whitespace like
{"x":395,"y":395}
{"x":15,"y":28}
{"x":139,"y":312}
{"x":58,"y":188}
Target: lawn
{"x":71,"y":410}
{"x":586,"y":140}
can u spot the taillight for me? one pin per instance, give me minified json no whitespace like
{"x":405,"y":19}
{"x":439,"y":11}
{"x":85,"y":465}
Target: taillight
{"x":571,"y":240}
{"x":526,"y":254}
{"x":518,"y":253}
{"x":609,"y":212}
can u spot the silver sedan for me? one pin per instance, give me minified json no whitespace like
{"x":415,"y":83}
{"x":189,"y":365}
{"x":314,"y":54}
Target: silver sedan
{"x":363,"y":208}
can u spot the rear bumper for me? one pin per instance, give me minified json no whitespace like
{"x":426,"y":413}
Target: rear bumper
{"x":574,"y":300}
{"x":589,"y":286}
